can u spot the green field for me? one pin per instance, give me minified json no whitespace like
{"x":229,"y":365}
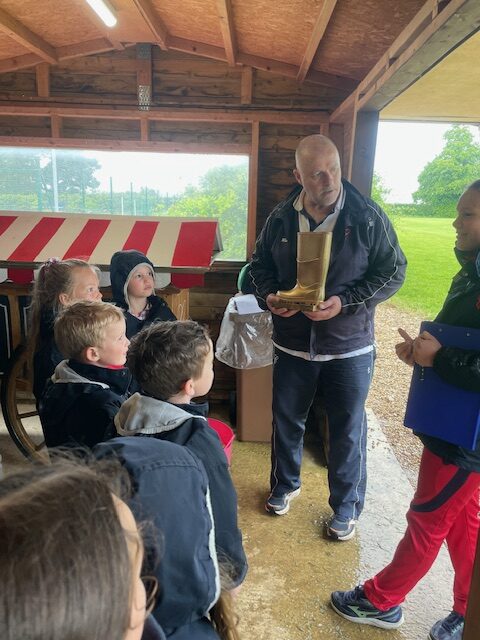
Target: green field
{"x":428,"y":244}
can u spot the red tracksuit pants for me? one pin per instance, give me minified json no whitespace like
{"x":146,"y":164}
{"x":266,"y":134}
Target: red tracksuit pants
{"x":445,"y":508}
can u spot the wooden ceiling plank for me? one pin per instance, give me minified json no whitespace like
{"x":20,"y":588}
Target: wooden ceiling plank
{"x":42,"y":77}
{"x":22,"y":34}
{"x":29,"y":109}
{"x":154,"y":22}
{"x":319,"y":29}
{"x":225,"y":13}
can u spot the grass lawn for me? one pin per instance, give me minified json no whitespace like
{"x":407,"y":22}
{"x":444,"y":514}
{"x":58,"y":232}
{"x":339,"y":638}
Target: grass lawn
{"x":428,"y":244}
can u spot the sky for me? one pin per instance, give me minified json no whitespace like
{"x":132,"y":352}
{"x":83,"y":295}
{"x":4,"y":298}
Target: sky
{"x":168,"y":173}
{"x":403,"y":150}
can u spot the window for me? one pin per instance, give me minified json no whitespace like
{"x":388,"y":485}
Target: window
{"x":130,"y":183}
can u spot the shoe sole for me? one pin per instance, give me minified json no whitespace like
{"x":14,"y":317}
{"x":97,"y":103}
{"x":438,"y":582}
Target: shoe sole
{"x":331,"y":534}
{"x":373,"y":622}
{"x":282,"y":512}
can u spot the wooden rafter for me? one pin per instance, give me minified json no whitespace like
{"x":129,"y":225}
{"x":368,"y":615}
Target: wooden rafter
{"x":154,"y":22}
{"x":22,"y":34}
{"x":315,"y":37}
{"x":67,"y":52}
{"x":425,"y":40}
{"x":225,"y":13}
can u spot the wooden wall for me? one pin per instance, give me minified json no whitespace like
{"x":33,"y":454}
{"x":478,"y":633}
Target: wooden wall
{"x":283,"y":110}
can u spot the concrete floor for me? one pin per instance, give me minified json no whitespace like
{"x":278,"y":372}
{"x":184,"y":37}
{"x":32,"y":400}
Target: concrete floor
{"x":293,"y":568}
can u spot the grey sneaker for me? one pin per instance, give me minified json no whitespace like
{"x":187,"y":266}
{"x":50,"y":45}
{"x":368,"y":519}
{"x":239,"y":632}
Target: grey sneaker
{"x":450,"y":628}
{"x":280,"y":505}
{"x":340,"y":529}
{"x":354,"y":606}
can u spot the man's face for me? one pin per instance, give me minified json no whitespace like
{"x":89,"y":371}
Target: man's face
{"x":320,"y":175}
{"x":467,"y":222}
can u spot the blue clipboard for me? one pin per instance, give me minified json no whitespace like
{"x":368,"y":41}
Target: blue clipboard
{"x":437,"y":408}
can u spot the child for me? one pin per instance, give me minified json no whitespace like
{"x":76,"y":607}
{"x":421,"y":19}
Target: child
{"x":445,"y":505}
{"x":86,"y":391}
{"x":166,"y":477}
{"x":58,"y":284}
{"x":173,"y":363}
{"x":71,"y":558}
{"x":133,"y":287}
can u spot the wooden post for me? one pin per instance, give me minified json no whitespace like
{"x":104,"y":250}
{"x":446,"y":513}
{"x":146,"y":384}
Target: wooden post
{"x":144,"y":76}
{"x":247,"y":85}
{"x":472,"y":618}
{"x":364,"y":144}
{"x":42,"y":74}
{"x":253,"y":189}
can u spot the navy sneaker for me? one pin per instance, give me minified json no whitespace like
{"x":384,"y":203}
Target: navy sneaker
{"x":354,"y":606}
{"x":340,"y":529}
{"x":280,"y":505}
{"x":450,"y":628}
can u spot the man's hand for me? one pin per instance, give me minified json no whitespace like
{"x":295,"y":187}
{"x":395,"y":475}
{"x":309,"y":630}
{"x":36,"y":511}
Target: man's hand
{"x":284,"y":313}
{"x":404,"y":350}
{"x":424,"y":349}
{"x":327,"y":309}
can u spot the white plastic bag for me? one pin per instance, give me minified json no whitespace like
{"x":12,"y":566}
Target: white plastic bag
{"x":245,"y":340}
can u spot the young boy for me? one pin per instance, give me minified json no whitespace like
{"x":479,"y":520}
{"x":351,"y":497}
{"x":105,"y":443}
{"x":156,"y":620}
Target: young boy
{"x":446,"y":503}
{"x":86,"y":391}
{"x":173,"y":363}
{"x":133,"y":288}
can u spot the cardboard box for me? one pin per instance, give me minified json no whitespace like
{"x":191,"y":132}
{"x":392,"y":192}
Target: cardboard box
{"x":254,"y":404}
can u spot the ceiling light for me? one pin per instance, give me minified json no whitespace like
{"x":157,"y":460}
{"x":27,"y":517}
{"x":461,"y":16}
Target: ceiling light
{"x":103,"y":9}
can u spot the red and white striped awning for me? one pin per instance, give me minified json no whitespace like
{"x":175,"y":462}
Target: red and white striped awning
{"x":177,"y":245}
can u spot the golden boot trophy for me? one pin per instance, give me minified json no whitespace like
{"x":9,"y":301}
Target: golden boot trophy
{"x":313,"y":259}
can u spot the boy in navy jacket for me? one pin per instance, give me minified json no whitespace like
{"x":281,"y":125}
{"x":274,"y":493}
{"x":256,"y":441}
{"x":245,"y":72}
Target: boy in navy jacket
{"x":86,"y":391}
{"x":173,"y":363}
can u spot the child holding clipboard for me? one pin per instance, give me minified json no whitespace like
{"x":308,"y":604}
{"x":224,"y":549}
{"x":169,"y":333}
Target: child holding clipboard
{"x":446,"y":502}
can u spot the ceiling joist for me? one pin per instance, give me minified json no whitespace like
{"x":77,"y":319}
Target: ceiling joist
{"x":225,"y":13}
{"x":315,"y":38}
{"x":31,"y":41}
{"x":154,"y":22}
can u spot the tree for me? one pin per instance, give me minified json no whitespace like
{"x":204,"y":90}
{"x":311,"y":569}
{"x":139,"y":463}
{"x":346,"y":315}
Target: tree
{"x":379,"y":191}
{"x":222,"y":194}
{"x":443,"y":180}
{"x":20,"y":171}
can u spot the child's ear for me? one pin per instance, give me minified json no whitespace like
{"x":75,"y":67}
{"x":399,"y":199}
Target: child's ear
{"x":64,"y":299}
{"x":90,"y":354}
{"x":189,"y":387}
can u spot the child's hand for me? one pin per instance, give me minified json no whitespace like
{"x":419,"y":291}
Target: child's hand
{"x":404,"y":350}
{"x":424,"y":349}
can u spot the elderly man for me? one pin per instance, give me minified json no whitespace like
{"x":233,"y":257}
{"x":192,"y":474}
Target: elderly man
{"x":330,"y":350}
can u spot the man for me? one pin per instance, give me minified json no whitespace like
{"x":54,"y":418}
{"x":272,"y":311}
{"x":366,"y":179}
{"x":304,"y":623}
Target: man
{"x":446,"y":502}
{"x":330,"y":349}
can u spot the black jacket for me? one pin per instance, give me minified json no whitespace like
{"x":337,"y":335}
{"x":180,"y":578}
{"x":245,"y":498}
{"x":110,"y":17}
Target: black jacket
{"x":460,"y":367}
{"x":121,"y":266}
{"x":171,"y":491}
{"x":367,"y":266}
{"x":187,"y":425}
{"x":47,"y":355}
{"x":80,"y":403}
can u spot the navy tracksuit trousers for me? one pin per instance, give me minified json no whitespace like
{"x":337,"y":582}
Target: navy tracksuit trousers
{"x":344,"y":384}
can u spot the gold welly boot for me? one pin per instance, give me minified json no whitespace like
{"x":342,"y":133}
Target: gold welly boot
{"x":313,"y":259}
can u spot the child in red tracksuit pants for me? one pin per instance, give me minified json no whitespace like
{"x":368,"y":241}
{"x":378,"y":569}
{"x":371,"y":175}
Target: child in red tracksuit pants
{"x":446,"y":503}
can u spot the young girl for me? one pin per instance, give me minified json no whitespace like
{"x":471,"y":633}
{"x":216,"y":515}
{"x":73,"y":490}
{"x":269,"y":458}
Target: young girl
{"x":71,"y":560}
{"x":133,"y":287}
{"x":59,"y":284}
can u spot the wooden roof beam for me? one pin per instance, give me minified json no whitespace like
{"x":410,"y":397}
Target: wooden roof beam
{"x":225,"y":13}
{"x":22,"y":34}
{"x":315,"y":38}
{"x":437,"y":29}
{"x":154,"y":22}
{"x":67,"y":52}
